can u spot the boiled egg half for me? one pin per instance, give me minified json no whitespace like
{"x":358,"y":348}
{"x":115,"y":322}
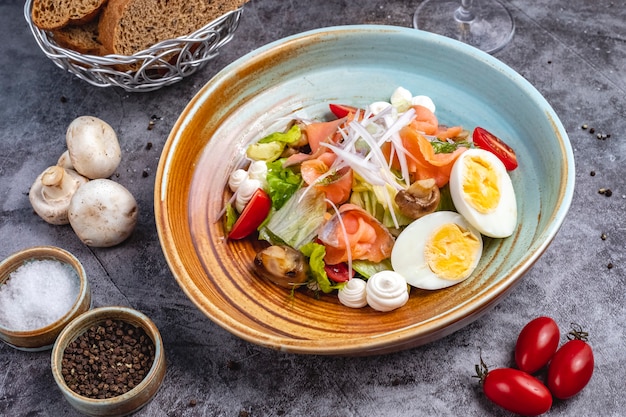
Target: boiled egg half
{"x":437,"y":251}
{"x":483,"y":193}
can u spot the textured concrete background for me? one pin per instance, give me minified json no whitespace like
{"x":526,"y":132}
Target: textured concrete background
{"x":572,"y":51}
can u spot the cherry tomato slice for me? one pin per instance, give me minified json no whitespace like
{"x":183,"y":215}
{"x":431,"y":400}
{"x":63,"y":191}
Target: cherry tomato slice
{"x":342,"y":110}
{"x":252,"y":215}
{"x":570,"y":369}
{"x":490,"y":142}
{"x":536,"y":344}
{"x":338,"y":272}
{"x":517,"y":392}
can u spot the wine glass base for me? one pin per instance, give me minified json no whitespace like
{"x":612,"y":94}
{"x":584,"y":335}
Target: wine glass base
{"x":490,"y":30}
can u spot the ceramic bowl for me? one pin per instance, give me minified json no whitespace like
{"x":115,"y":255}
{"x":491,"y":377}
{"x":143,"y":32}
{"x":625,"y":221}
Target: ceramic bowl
{"x":44,"y":338}
{"x":122,"y":404}
{"x":354,"y":65}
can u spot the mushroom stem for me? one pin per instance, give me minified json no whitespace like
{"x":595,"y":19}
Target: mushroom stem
{"x":57,"y":185}
{"x":52,"y":191}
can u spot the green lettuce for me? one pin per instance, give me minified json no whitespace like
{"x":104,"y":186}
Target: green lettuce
{"x":368,"y":268}
{"x":316,"y":252}
{"x":282,"y":183}
{"x":296,"y":223}
{"x":272,"y":146}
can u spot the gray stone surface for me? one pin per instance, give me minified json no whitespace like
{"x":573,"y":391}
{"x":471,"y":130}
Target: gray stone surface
{"x":572,"y":51}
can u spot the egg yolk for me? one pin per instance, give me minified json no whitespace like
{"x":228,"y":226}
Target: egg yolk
{"x":480,"y":185}
{"x":451,"y":252}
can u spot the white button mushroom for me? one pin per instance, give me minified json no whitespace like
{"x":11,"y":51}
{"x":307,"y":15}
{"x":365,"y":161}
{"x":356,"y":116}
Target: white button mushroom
{"x":52,"y":191}
{"x":65,"y":161}
{"x":93,"y":147}
{"x":386,"y":291}
{"x":103,"y":213}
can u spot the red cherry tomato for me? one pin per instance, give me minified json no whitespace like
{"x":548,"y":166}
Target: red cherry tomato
{"x":515,"y":390}
{"x":342,"y":110}
{"x":338,"y":272}
{"x":536,"y":344}
{"x":571,"y":367}
{"x":490,"y":142}
{"x":252,"y":215}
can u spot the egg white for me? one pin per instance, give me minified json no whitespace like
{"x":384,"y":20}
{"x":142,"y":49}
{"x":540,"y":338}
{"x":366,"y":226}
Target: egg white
{"x":502,"y":220}
{"x":407,"y":256}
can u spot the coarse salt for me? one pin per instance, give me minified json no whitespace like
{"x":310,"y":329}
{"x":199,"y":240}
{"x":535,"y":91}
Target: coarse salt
{"x":37,"y":294}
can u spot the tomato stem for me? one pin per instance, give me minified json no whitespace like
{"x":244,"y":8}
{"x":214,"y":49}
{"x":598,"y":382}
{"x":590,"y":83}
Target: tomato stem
{"x":577,"y":332}
{"x":481,"y":370}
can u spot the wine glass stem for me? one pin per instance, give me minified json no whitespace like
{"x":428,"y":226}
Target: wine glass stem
{"x":464,"y":13}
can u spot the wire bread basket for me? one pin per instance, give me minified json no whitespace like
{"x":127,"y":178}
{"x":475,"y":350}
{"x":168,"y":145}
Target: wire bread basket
{"x":163,"y":64}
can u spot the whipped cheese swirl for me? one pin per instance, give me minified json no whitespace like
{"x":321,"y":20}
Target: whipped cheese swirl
{"x":353,"y":294}
{"x":386,"y":291}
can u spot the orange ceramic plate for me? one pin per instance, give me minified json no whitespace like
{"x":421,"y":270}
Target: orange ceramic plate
{"x":353,"y":65}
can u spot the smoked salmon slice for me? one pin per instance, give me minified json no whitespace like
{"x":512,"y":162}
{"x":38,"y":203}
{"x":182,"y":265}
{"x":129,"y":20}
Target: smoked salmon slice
{"x":367,"y":239}
{"x":337,"y":186}
{"x":422,"y":161}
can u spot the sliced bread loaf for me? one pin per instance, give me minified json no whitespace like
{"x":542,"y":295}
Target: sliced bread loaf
{"x":55,"y":14}
{"x":80,"y":38}
{"x":130,"y":26}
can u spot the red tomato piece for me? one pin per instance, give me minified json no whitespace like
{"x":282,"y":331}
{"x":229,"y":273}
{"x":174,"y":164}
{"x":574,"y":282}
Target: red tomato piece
{"x":490,"y":142}
{"x":338,"y":272}
{"x":536,"y":344}
{"x":570,"y":369}
{"x":252,"y":215}
{"x":517,"y":392}
{"x":342,"y":110}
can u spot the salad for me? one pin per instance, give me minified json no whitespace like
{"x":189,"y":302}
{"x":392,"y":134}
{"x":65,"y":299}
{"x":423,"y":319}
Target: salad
{"x":372,"y":202}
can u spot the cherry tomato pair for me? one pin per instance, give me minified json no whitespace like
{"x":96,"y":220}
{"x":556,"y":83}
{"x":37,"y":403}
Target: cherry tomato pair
{"x":569,"y":369}
{"x":570,"y":366}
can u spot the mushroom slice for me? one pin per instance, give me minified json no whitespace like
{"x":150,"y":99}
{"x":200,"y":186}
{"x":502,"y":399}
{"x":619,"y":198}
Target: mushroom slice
{"x":103,"y":213}
{"x":282,"y":265}
{"x":52,"y":191}
{"x":421,"y":198}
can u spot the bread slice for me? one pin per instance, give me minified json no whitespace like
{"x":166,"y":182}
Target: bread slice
{"x":80,"y":38}
{"x":130,"y":26}
{"x":55,"y":14}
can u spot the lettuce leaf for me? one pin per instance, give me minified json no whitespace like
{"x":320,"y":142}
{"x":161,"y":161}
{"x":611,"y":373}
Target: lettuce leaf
{"x":368,"y":268}
{"x":282,"y":183}
{"x":272,"y":146}
{"x":296,"y":223}
{"x":316,"y":252}
{"x":291,"y":136}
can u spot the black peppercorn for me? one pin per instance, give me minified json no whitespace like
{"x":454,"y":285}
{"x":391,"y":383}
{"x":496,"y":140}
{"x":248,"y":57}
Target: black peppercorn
{"x":107,"y":360}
